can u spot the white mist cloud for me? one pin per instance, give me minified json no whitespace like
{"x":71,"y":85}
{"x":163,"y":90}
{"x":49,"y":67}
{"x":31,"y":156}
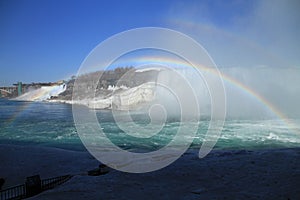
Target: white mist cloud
{"x":256,"y":43}
{"x":275,"y":26}
{"x":265,"y":33}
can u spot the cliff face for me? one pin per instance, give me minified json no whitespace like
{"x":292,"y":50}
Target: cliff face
{"x":122,"y":88}
{"x":125,"y":99}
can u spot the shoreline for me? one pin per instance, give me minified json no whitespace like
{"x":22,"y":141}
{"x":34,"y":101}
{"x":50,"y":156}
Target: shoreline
{"x":234,"y":174}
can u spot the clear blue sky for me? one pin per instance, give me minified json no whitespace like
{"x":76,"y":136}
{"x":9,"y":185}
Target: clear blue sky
{"x":46,"y":40}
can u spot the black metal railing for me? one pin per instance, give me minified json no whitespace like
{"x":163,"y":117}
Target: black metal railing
{"x":52,"y":182}
{"x":16,"y":192}
{"x":20,"y":192}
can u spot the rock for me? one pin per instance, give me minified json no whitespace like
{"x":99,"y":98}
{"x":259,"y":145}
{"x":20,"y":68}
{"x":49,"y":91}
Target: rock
{"x":198,"y":191}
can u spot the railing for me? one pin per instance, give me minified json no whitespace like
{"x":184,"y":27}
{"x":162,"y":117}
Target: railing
{"x":52,"y":182}
{"x":19,"y":192}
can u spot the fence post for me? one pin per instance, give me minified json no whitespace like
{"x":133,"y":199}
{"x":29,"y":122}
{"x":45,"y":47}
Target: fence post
{"x":33,"y":185}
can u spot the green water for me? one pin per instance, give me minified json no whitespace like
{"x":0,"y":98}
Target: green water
{"x":51,"y":124}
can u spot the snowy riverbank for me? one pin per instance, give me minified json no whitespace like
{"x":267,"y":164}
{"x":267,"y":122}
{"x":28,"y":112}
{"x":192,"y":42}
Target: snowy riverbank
{"x":119,"y":98}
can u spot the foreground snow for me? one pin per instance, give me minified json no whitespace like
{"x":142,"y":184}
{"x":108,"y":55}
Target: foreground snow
{"x":268,"y":174}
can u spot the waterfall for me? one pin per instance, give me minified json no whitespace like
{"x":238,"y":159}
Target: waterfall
{"x":43,"y":93}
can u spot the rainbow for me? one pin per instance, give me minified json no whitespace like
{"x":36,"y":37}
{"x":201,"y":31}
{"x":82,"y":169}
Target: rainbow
{"x":39,"y":94}
{"x":20,"y":109}
{"x":179,"y":63}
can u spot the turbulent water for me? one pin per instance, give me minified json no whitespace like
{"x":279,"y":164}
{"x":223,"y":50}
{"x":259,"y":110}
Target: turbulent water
{"x":51,"y":124}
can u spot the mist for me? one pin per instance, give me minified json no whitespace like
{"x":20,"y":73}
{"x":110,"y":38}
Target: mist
{"x":256,"y":47}
{"x":251,"y":93}
{"x":267,"y":34}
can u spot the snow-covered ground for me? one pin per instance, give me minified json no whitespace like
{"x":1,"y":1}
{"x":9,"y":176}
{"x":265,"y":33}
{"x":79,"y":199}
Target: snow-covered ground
{"x":267,"y":174}
{"x":126,"y":99}
{"x":122,"y":99}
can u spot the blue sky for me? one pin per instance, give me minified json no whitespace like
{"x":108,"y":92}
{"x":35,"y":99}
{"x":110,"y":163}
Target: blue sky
{"x":46,"y":40}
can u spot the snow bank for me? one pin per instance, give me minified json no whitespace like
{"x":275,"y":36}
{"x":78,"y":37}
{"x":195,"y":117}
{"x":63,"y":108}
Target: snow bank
{"x":123,"y":99}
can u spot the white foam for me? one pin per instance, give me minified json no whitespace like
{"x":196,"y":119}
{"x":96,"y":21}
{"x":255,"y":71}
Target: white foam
{"x":43,"y":93}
